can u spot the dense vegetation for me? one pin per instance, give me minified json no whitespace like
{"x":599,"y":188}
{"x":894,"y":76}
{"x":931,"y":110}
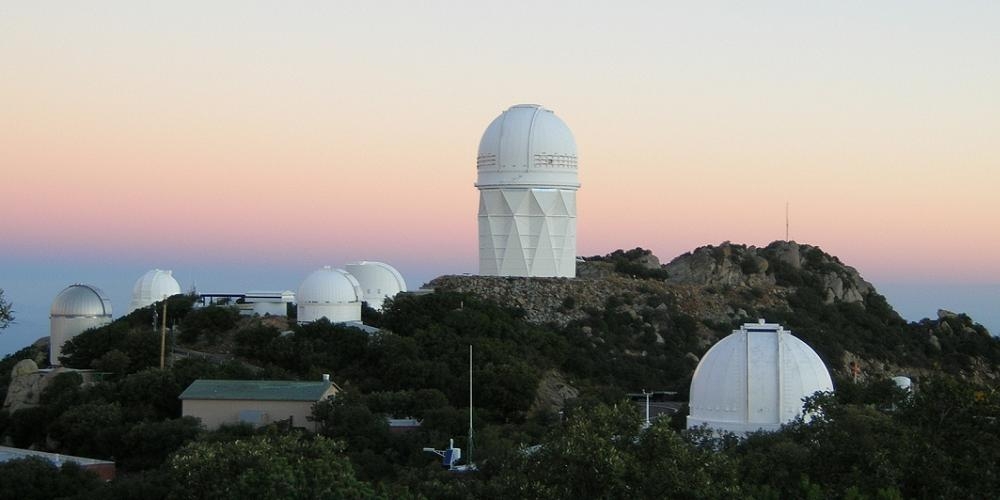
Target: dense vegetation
{"x":6,"y":311}
{"x":869,"y":440}
{"x":630,"y":263}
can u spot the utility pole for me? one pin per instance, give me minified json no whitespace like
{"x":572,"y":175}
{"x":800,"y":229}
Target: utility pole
{"x":786,"y":221}
{"x":469,"y":459}
{"x":163,"y":336}
{"x":647,"y":394}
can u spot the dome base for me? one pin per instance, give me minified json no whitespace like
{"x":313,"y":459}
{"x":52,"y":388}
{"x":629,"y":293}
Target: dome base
{"x":527,"y":232}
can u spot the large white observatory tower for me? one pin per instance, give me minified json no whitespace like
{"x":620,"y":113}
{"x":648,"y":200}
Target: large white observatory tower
{"x":755,"y":379}
{"x":76,"y":309}
{"x":527,"y":180}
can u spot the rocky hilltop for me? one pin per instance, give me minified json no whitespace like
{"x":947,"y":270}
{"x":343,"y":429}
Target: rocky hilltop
{"x":700,"y":296}
{"x":779,"y":262}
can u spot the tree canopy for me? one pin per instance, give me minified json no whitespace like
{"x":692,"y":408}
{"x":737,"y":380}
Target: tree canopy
{"x":6,"y":312}
{"x":869,"y":440}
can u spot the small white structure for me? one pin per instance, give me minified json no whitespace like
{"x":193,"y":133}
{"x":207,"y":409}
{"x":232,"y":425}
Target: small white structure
{"x":903,"y":383}
{"x":527,"y":180}
{"x":329,"y":293}
{"x":76,"y":309}
{"x":152,"y":287}
{"x":104,"y":469}
{"x":378,"y":281}
{"x":755,"y":379}
{"x":266,"y":303}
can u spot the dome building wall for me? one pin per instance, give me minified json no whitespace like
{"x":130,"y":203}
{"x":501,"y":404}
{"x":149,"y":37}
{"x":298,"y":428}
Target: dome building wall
{"x":527,"y":181}
{"x":755,"y":379}
{"x":76,"y":309}
{"x":377,"y":281}
{"x":331,"y":293}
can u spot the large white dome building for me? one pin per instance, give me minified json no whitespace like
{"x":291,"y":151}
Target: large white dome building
{"x":331,"y":293}
{"x":75,"y":310}
{"x":527,"y":180}
{"x":378,"y":280}
{"x":151,"y":287}
{"x":755,"y":379}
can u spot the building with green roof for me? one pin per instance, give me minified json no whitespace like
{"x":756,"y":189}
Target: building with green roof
{"x":257,"y":402}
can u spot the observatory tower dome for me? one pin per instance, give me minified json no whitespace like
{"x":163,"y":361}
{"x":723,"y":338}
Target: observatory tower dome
{"x":151,"y":287}
{"x":527,"y":180}
{"x":378,"y":281}
{"x":75,"y":310}
{"x":755,"y":379}
{"x":329,"y":293}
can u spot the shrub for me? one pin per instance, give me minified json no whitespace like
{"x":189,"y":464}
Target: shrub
{"x":209,"y":321}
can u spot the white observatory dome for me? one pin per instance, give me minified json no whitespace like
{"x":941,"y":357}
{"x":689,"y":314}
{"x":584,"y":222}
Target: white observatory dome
{"x":330,"y":293}
{"x":153,"y":286}
{"x":75,"y":310}
{"x":755,"y":379}
{"x":378,"y":280}
{"x":527,"y":145}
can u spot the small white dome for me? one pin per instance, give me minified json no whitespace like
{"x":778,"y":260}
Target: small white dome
{"x":378,"y":280}
{"x":153,"y":286}
{"x":527,"y":145}
{"x":81,"y":301}
{"x":903,"y":383}
{"x":331,"y":293}
{"x":755,"y":379}
{"x":329,"y":285}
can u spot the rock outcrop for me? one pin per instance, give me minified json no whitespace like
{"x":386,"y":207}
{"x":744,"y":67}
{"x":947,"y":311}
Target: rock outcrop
{"x":784,"y":263}
{"x":553,"y":392}
{"x":544,"y":300}
{"x":724,"y":265}
{"x":26,"y":385}
{"x":702,"y":295}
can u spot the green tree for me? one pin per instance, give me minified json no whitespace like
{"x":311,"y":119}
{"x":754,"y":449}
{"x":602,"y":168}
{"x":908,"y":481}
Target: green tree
{"x":36,"y":478}
{"x":956,"y":445}
{"x":208,"y":321}
{"x":147,"y":444}
{"x":150,"y":394}
{"x":6,"y":312}
{"x":113,"y":361}
{"x":254,"y":340}
{"x":141,"y":347}
{"x":287,"y":467}
{"x":602,"y":451}
{"x":90,"y":430}
{"x":365,"y":434}
{"x":27,"y":426}
{"x":666,"y":466}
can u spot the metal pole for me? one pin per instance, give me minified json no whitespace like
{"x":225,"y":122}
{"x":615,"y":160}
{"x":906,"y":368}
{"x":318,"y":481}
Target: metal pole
{"x":647,"y":406}
{"x":469,"y":461}
{"x":163,"y":336}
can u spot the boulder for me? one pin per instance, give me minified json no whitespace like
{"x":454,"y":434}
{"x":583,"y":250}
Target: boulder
{"x":24,"y":367}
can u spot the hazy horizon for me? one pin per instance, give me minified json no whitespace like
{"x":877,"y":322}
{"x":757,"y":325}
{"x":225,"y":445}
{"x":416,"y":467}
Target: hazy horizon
{"x":913,"y":301}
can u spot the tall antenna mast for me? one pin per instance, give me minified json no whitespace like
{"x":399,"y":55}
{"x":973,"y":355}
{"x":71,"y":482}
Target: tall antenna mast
{"x":163,"y":335}
{"x":451,"y":455}
{"x":469,"y":460}
{"x":786,"y":221}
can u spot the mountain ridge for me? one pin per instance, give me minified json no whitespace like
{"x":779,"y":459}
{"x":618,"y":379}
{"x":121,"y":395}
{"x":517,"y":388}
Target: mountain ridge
{"x":721,"y":286}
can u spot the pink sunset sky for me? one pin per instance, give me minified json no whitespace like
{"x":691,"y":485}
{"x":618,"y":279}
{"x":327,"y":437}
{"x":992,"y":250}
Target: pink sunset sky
{"x":236,"y":135}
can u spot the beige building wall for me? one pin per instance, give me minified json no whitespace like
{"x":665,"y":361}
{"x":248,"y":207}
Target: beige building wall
{"x":214,"y":413}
